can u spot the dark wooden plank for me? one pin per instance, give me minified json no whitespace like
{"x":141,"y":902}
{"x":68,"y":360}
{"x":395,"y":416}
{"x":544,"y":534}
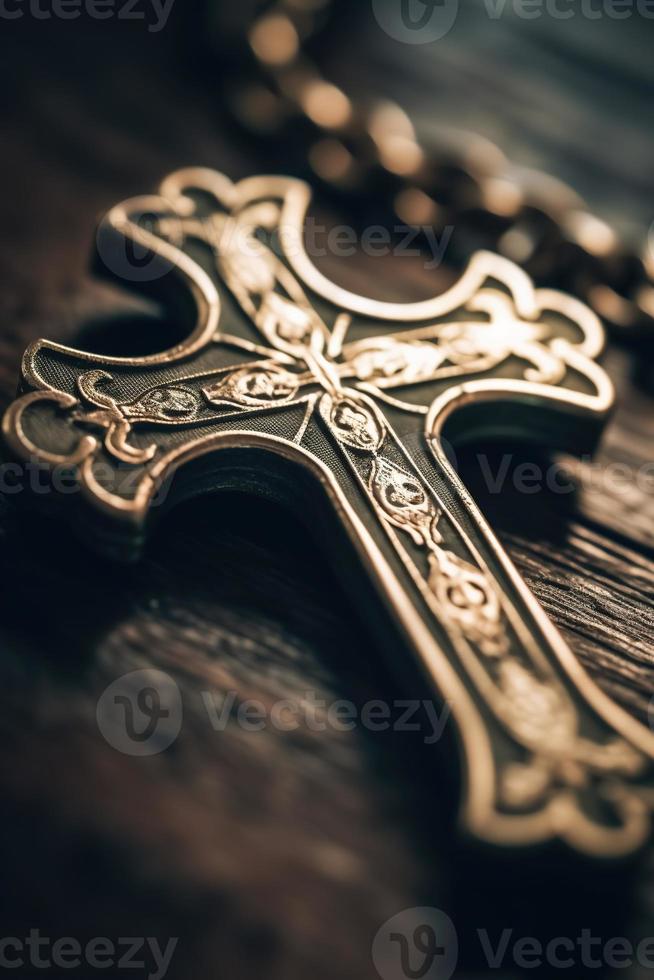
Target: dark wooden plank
{"x":269,"y":853}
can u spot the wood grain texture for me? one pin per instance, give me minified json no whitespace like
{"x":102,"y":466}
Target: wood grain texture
{"x":271,"y":854}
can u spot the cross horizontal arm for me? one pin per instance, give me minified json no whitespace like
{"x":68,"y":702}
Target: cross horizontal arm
{"x":282,"y":388}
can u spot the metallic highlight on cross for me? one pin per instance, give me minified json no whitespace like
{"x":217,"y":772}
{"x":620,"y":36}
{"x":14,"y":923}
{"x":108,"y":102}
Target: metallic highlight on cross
{"x":284,"y":371}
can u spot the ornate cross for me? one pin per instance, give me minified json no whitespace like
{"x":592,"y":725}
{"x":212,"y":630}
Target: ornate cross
{"x":290,"y":385}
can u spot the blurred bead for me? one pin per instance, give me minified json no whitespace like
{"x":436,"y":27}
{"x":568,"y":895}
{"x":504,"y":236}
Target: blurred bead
{"x":645,"y":300}
{"x":259,"y":109}
{"x":400,"y":155}
{"x":610,"y":305}
{"x":414,"y":207}
{"x":331,"y":160}
{"x":325,"y":104}
{"x":388,"y":119}
{"x":502,"y":196}
{"x":591,"y":233}
{"x":274,"y":40}
{"x":517,"y":245}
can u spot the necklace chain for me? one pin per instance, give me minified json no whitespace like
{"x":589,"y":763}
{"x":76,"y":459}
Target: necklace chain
{"x":371,"y":152}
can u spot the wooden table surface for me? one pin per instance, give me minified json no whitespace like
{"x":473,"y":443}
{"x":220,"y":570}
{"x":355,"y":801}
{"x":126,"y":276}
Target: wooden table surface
{"x":277,"y":854}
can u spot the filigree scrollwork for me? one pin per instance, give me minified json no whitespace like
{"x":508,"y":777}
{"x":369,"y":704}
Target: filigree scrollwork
{"x":403,"y":500}
{"x":169,"y":403}
{"x":469,"y":601}
{"x":352,"y":422}
{"x":321,"y":357}
{"x":455,"y":349}
{"x":162,"y":403}
{"x":257,"y":386}
{"x":266,"y":290}
{"x":110,"y":416}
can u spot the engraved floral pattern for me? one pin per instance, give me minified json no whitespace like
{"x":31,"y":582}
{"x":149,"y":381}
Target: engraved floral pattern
{"x":352,"y":422}
{"x":253,"y":387}
{"x":450,"y":350}
{"x":469,"y":601}
{"x":298,"y":360}
{"x":404,"y":501}
{"x":167,"y":403}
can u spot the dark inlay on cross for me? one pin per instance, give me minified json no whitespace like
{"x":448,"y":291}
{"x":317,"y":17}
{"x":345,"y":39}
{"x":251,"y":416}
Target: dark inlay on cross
{"x":288,"y":383}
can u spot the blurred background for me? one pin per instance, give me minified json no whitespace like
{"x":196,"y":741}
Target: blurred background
{"x":283,"y":854}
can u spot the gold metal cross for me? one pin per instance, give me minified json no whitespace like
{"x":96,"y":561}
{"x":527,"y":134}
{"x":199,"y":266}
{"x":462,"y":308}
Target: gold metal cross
{"x":337,"y":404}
